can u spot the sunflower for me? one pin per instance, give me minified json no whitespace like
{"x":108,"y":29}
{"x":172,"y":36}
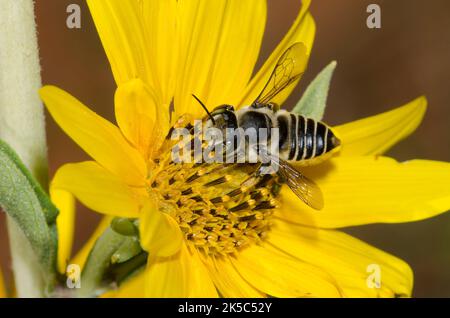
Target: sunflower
{"x":207,"y":235}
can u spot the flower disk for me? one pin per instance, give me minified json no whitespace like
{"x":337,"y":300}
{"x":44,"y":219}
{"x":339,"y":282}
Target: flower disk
{"x":219,"y":207}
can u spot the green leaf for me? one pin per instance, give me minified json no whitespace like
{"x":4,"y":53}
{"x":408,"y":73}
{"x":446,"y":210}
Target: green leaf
{"x":28,"y":205}
{"x":314,"y":100}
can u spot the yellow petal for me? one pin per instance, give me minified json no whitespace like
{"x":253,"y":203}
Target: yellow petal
{"x":82,"y":255}
{"x":362,"y":190}
{"x":99,"y":138}
{"x":181,"y":275}
{"x":141,"y":120}
{"x":375,"y":135}
{"x":98,"y":189}
{"x":355,"y":265}
{"x":281,"y":275}
{"x":302,"y":30}
{"x":160,"y":21}
{"x":120,"y":27}
{"x":2,"y":286}
{"x":160,"y":234}
{"x":65,"y":224}
{"x":228,"y":281}
{"x":219,"y":45}
{"x":133,"y":287}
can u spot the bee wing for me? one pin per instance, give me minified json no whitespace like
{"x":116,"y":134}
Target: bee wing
{"x":306,"y":189}
{"x":287,"y":72}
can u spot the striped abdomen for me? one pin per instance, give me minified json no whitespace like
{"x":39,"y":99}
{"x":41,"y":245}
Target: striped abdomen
{"x":304,"y":139}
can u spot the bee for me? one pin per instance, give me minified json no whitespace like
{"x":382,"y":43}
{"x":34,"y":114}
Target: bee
{"x":303,"y":141}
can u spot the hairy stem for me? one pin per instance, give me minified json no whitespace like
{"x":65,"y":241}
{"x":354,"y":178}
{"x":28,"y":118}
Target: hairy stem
{"x":22,"y":123}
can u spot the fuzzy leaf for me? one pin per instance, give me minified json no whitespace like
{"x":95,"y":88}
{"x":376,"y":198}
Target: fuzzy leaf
{"x":313,"y":102}
{"x":28,"y":205}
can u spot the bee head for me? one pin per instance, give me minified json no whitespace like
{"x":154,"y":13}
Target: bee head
{"x":224,"y":117}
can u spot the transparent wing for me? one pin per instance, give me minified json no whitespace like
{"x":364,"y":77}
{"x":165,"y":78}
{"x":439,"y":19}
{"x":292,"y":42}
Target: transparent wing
{"x":307,"y":190}
{"x":287,"y":72}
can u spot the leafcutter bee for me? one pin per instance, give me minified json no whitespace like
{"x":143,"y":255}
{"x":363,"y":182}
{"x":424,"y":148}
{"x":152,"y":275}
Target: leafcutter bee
{"x":302,"y":141}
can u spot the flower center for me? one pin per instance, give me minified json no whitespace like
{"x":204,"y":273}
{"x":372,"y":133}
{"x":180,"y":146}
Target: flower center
{"x":219,"y":207}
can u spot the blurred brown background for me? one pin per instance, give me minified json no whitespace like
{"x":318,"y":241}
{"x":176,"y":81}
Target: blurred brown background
{"x":378,"y":69}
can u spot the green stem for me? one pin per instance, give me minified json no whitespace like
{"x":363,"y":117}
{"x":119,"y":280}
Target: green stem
{"x":22,"y":123}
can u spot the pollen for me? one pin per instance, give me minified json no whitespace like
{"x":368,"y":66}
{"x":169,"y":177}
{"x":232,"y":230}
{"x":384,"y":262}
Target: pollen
{"x":220,"y":208}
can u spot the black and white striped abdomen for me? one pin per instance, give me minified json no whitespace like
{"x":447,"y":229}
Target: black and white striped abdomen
{"x":303,"y":138}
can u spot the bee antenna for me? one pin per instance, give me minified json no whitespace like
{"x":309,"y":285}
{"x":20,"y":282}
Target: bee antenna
{"x":204,"y":107}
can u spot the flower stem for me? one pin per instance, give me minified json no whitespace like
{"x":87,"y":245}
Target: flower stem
{"x":22,"y":123}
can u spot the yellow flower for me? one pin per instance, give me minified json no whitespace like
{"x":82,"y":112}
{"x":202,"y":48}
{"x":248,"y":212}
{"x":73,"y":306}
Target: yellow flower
{"x":160,"y":53}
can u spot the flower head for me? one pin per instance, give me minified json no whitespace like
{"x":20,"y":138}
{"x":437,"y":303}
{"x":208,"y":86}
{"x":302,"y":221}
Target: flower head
{"x":217,"y":229}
